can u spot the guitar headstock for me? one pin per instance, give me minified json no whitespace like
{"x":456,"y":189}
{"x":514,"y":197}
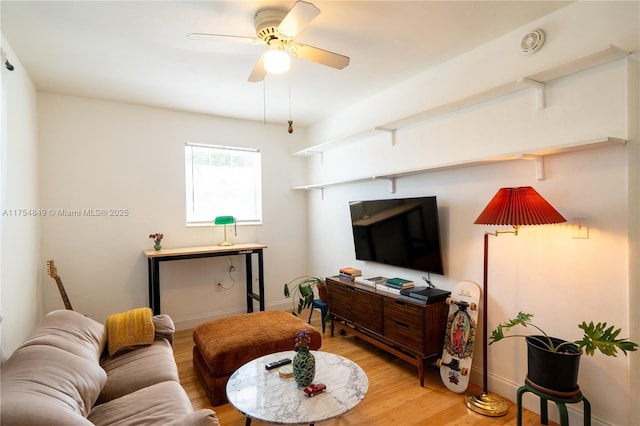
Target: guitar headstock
{"x":51,"y":269}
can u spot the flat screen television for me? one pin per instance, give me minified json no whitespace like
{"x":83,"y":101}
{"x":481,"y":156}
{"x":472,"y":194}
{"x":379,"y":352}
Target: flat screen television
{"x":400,"y":232}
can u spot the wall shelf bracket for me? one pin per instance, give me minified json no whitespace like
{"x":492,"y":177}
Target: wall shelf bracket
{"x":392,"y":182}
{"x":392,"y":132}
{"x":540,"y":91}
{"x":539,"y":162}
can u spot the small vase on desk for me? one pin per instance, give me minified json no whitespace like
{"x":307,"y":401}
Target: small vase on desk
{"x":157,"y":240}
{"x":304,"y":366}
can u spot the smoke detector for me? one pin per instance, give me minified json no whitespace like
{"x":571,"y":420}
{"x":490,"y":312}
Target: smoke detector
{"x":532,"y":42}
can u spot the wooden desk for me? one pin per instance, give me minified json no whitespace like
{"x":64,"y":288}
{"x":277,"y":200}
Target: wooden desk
{"x":154,"y":257}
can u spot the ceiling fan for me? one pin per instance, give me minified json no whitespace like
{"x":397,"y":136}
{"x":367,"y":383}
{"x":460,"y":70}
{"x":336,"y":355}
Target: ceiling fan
{"x":277,"y":29}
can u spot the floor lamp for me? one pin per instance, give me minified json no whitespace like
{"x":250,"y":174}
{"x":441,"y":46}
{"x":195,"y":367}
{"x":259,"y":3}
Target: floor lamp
{"x":515,"y":207}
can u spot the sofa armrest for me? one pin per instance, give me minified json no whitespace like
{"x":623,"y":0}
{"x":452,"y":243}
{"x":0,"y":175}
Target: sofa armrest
{"x":203,"y":417}
{"x":164,"y":327}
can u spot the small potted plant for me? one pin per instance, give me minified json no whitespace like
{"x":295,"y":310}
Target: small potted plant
{"x":553,"y":363}
{"x":157,"y":240}
{"x":304,"y":363}
{"x":302,"y":288}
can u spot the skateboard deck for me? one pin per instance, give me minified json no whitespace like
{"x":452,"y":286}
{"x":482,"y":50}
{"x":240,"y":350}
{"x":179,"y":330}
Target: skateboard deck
{"x":460,"y":334}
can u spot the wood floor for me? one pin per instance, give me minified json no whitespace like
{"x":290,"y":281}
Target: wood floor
{"x":394,"y":397}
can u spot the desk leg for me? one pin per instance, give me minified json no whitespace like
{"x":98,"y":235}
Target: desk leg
{"x":249,"y":273}
{"x":261,"y":280}
{"x":150,"y":278}
{"x":154,"y":285}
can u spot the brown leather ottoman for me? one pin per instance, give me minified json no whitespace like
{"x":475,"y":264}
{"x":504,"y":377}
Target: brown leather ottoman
{"x":224,"y":345}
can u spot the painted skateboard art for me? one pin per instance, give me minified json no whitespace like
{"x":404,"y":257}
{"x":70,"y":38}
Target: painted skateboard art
{"x":460,"y":334}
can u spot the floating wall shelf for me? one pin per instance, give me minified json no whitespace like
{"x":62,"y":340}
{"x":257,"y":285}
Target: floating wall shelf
{"x":536,"y":81}
{"x":536,"y":154}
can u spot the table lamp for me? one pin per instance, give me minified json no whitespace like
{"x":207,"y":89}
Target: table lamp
{"x":515,"y":207}
{"x":225,"y":220}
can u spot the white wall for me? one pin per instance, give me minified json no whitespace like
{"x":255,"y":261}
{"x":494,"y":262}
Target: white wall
{"x":20,"y":237}
{"x":102,"y":155}
{"x":563,"y":281}
{"x":95,"y":154}
{"x":634,"y":223}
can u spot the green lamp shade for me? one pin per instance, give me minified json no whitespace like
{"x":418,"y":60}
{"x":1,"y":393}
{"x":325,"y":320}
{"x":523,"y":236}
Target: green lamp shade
{"x":224,"y":220}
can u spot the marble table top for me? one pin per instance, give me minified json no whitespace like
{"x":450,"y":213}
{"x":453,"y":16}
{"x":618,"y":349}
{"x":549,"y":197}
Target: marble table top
{"x":265,"y":395}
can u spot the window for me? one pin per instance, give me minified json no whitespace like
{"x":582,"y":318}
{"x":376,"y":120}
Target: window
{"x":222,"y":181}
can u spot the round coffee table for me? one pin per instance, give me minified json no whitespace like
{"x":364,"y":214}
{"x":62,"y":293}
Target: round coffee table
{"x":264,"y":395}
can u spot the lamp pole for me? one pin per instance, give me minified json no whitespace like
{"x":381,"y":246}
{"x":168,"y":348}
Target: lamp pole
{"x":488,"y":404}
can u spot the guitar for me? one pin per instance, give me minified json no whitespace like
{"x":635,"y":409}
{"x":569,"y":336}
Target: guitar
{"x":53,"y":273}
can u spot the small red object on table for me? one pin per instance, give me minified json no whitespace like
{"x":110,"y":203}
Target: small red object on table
{"x":314,"y":389}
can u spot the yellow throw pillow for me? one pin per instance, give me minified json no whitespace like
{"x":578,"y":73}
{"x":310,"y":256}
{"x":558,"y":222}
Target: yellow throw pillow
{"x":129,"y":330}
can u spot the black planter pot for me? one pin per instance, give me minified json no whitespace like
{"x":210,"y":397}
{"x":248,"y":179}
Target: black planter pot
{"x":555,"y":373}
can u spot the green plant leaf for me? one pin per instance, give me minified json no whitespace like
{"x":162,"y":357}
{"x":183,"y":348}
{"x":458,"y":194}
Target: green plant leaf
{"x":596,"y":337}
{"x":496,"y":335}
{"x":604,"y":339}
{"x":522,"y":319}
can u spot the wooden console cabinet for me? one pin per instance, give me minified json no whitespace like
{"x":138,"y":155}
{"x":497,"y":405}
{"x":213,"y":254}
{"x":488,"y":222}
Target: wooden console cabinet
{"x":410,"y":331}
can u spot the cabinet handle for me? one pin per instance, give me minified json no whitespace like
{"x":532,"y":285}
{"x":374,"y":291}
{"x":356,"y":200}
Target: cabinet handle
{"x":401,"y":324}
{"x":400,"y":303}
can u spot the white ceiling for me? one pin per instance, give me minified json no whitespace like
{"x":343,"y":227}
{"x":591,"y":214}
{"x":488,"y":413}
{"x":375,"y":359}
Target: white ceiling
{"x":138,"y":52}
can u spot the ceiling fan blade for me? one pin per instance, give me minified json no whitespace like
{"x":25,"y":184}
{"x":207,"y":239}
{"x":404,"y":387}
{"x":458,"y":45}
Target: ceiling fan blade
{"x":298,"y":17}
{"x":320,"y":56}
{"x":258,"y":73}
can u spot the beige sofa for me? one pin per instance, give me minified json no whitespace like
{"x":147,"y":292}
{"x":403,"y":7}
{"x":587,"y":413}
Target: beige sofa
{"x":62,"y":375}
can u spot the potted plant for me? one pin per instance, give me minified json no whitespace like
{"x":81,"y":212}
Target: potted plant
{"x":302,"y":288}
{"x":553,"y":363}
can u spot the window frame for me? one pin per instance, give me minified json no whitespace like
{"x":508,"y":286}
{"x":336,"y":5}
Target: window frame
{"x":192,"y":218}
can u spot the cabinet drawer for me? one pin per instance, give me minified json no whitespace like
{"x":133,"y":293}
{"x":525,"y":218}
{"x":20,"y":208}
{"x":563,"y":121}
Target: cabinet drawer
{"x":403,"y":324}
{"x":404,"y":335}
{"x":339,"y":298}
{"x":404,"y":312}
{"x":367,"y":310}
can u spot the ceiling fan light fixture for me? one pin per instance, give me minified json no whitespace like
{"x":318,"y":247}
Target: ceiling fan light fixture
{"x":276,"y":61}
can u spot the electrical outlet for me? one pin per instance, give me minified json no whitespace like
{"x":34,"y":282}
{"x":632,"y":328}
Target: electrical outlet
{"x":219,"y":287}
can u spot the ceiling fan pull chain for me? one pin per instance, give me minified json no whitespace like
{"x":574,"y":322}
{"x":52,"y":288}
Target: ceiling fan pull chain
{"x":290,"y":128}
{"x":264,"y":102}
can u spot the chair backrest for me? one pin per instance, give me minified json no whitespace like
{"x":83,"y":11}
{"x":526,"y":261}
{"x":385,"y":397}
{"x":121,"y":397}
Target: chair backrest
{"x":322,"y":291}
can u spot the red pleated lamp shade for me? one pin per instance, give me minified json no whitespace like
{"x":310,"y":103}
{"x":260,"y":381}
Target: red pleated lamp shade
{"x":518,"y":206}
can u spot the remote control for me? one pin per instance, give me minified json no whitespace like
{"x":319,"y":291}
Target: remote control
{"x":276,"y":364}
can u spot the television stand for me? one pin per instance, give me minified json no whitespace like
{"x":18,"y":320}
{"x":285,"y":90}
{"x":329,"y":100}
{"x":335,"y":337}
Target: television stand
{"x":410,"y":331}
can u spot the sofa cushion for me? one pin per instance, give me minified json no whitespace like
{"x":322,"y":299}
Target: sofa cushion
{"x":203,"y":417}
{"x":158,"y":404}
{"x":134,"y":370}
{"x":71,"y":332}
{"x":47,"y":385}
